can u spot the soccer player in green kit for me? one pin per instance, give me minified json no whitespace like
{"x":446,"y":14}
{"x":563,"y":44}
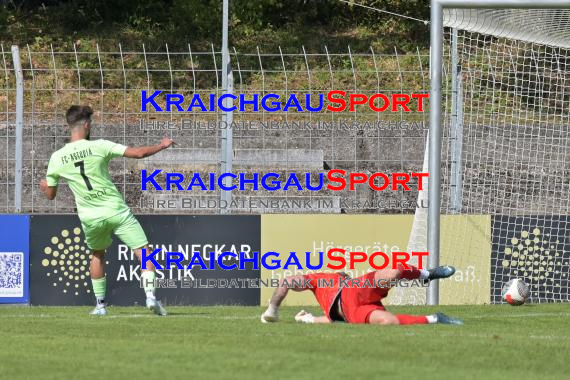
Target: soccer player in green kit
{"x":84,"y":164}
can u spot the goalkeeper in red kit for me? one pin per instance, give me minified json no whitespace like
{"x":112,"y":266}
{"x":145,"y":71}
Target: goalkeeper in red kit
{"x":357,"y":300}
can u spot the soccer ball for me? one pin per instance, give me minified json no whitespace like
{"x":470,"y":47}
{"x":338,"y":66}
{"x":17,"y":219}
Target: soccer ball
{"x":515,"y":292}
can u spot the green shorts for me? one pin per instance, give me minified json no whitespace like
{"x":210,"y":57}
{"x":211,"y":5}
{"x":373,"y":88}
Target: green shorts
{"x":124,"y":225}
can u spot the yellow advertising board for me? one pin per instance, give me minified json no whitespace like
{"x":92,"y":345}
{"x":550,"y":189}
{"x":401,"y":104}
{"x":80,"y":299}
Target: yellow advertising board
{"x":466,"y":246}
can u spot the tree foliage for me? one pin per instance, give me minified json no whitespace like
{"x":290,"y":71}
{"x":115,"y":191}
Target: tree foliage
{"x":201,"y":19}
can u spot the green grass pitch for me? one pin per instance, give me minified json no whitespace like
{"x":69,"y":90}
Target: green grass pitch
{"x":496,"y":342}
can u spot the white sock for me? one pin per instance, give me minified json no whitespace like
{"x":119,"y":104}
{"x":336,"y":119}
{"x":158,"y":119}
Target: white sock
{"x":424,"y":274}
{"x":100,"y":301}
{"x":431,"y":319}
{"x":272,"y":310}
{"x":147,"y":279}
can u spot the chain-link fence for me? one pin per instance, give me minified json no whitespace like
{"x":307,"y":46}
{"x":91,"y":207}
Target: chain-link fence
{"x":112,"y":81}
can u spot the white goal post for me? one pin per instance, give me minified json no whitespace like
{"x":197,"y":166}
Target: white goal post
{"x":533,"y":112}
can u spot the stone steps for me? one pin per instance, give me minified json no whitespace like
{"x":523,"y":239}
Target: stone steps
{"x":272,"y":159}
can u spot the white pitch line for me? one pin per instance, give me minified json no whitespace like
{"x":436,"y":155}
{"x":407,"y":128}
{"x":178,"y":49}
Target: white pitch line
{"x":213,"y":316}
{"x":29,"y":316}
{"x":178,"y":316}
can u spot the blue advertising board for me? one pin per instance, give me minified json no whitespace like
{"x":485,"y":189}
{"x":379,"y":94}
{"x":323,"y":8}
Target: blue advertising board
{"x":14,"y":258}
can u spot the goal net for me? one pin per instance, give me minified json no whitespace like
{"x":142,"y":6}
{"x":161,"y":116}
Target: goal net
{"x":505,"y":172}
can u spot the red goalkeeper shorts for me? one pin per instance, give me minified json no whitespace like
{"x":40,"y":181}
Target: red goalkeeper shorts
{"x":358,"y":302}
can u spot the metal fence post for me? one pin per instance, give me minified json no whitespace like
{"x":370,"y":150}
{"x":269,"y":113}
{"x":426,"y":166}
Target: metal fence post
{"x":19,"y":127}
{"x":456,"y":127}
{"x":227,"y":116}
{"x":434,"y":145}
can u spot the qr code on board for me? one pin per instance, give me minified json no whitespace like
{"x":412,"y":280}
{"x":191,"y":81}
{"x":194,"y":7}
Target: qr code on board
{"x":11,"y":274}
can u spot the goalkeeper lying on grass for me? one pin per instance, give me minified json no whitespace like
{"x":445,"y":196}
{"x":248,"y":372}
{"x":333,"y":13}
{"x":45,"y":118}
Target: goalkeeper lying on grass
{"x":348,"y":301}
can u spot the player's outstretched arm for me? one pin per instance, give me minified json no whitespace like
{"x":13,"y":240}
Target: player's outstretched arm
{"x":49,"y":191}
{"x":146,"y":151}
{"x":296,"y":283}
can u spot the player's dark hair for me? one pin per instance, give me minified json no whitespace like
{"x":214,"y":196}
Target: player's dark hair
{"x":77,"y":115}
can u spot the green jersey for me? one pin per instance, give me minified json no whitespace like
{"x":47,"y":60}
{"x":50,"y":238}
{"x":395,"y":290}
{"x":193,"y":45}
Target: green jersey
{"x":84,"y":164}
